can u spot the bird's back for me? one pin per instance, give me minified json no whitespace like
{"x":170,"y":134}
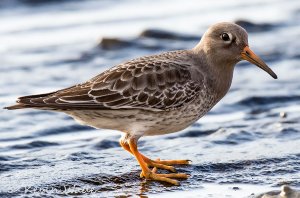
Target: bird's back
{"x":157,"y":83}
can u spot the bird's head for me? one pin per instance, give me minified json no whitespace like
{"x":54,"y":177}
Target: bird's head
{"x":227,"y":43}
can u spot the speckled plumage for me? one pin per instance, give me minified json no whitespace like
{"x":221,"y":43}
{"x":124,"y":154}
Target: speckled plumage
{"x":154,"y":95}
{"x":149,"y":95}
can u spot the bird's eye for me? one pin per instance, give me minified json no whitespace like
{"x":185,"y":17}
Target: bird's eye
{"x":226,"y":37}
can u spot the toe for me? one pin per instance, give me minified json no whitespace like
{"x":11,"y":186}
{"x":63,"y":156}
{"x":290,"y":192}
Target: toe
{"x":162,"y":166}
{"x":158,"y":177}
{"x":174,"y":162}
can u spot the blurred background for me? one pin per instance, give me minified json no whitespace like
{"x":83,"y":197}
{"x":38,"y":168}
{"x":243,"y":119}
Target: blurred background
{"x":250,"y":139}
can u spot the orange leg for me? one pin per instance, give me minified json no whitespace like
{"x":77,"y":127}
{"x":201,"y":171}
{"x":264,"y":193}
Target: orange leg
{"x":131,"y":146}
{"x":162,"y":164}
{"x":147,"y":172}
{"x":149,"y":162}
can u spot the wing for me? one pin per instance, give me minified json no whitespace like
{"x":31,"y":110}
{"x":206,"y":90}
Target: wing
{"x":144,"y":83}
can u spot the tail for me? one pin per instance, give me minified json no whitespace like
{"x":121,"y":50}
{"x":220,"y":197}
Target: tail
{"x":25,"y":101}
{"x":16,"y":106}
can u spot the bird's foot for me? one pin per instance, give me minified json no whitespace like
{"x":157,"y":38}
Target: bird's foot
{"x":131,"y":146}
{"x":153,"y":175}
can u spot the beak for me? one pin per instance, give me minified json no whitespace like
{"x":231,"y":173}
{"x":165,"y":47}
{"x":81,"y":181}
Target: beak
{"x":248,"y":55}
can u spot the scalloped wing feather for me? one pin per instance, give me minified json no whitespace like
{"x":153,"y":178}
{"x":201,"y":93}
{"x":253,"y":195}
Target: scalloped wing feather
{"x":153,"y":83}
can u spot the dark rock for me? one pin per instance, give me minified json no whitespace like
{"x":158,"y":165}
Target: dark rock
{"x":149,"y":39}
{"x":114,"y":43}
{"x":163,"y":34}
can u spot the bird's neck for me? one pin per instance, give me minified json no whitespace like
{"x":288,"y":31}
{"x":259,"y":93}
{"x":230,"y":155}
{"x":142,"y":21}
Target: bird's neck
{"x":219,"y":73}
{"x":222,"y":80}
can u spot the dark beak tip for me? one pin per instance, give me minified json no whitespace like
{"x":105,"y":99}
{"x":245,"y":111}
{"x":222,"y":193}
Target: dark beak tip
{"x":273,"y":75}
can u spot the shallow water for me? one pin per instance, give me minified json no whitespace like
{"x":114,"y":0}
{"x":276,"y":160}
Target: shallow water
{"x":251,"y":138}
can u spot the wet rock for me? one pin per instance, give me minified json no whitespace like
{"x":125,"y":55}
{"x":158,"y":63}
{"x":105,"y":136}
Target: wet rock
{"x":163,"y":34}
{"x":114,"y":43}
{"x":151,"y":39}
{"x":286,"y":192}
{"x":255,"y":27}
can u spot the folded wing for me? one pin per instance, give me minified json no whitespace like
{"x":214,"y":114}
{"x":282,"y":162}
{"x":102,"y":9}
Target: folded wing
{"x":151,"y":83}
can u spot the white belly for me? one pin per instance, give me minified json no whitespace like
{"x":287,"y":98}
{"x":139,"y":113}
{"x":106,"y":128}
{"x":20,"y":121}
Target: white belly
{"x":143,"y":122}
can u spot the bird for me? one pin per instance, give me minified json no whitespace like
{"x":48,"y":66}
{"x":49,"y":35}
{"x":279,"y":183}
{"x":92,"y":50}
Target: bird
{"x":155,"y":94}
